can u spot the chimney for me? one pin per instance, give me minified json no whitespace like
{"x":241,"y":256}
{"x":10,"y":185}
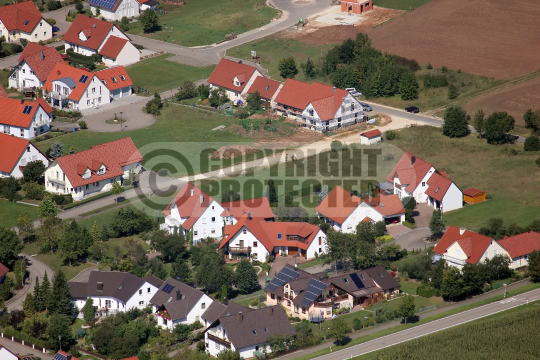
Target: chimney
{"x":462,"y":231}
{"x":22,"y":102}
{"x":192,"y":191}
{"x":334,"y":90}
{"x":296,"y":266}
{"x":202,"y":198}
{"x":413,"y":159}
{"x":69,"y":356}
{"x":100,"y":286}
{"x":352,"y":194}
{"x":71,"y":152}
{"x":249,"y":216}
{"x":239,"y":61}
{"x":225,"y":302}
{"x":94,"y":26}
{"x":271,"y":310}
{"x":321,"y":278}
{"x":178,"y":295}
{"x":42,"y":55}
{"x":240,"y":317}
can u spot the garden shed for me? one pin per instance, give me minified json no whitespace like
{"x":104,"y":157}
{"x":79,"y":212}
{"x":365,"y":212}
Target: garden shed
{"x":473,"y":196}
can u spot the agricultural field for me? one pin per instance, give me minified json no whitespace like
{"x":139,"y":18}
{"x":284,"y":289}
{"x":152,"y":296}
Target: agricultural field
{"x":204,"y":22}
{"x":480,"y":37}
{"x":400,"y":4}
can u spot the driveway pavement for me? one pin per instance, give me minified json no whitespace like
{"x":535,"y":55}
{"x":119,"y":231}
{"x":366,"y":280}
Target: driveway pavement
{"x":397,"y":229}
{"x":413,"y":239}
{"x":422,"y":215}
{"x":19,"y":349}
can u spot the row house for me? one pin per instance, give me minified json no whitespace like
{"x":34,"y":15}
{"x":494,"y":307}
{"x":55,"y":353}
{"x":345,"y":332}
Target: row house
{"x":36,"y":63}
{"x":344,"y":211}
{"x":16,"y":154}
{"x":23,"y":20}
{"x":217,"y":310}
{"x":25,"y":119}
{"x":234,"y":77}
{"x":93,"y":170}
{"x":268,"y":90}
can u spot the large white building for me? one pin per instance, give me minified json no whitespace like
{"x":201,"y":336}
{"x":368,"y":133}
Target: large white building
{"x":35,"y":65}
{"x":115,"y":10}
{"x":16,"y":154}
{"x":23,"y":20}
{"x":24,"y":119}
{"x":93,"y":170}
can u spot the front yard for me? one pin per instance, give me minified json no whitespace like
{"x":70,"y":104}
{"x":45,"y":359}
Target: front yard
{"x":9,"y":212}
{"x":419,"y":301}
{"x":409,"y":287}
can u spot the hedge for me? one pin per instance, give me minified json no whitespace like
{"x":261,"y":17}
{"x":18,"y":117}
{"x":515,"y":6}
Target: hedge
{"x":9,"y":331}
{"x":426,"y":291}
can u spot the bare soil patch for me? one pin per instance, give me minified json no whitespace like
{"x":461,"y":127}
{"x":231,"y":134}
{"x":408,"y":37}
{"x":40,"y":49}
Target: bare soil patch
{"x":232,"y":151}
{"x":492,"y":38}
{"x":514,"y":99}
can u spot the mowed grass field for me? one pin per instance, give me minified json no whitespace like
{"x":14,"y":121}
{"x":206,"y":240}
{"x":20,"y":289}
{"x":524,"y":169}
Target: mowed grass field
{"x":400,"y":4}
{"x":9,"y":212}
{"x":158,"y":74}
{"x":204,"y":22}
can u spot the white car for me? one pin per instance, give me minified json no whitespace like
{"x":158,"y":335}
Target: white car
{"x":353,"y":92}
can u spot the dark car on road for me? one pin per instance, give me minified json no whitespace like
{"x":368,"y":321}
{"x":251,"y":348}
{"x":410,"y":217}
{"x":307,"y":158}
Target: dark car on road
{"x":412,"y":109}
{"x":366,"y":107}
{"x":55,"y":29}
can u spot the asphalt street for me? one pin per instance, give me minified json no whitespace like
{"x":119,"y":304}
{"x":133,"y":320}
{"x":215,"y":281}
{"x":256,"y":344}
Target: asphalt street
{"x":433,"y":326}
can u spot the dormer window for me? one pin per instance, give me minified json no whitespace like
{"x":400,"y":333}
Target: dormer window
{"x":237,"y":83}
{"x":114,"y":80}
{"x":123,"y":77}
{"x":104,"y":81}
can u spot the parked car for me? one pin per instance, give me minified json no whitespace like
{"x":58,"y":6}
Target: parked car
{"x":392,"y":221}
{"x":55,"y":29}
{"x":412,"y":109}
{"x":353,"y":92}
{"x":366,"y":107}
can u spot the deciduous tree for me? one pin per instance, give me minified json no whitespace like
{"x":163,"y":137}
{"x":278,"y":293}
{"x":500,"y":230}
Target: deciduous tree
{"x":287,"y":67}
{"x":531,"y":143}
{"x":33,"y":171}
{"x":47,"y":208}
{"x":246,"y":277}
{"x":339,"y":329}
{"x":149,"y":20}
{"x":479,"y":122}
{"x":408,"y":86}
{"x":59,"y":326}
{"x":534,"y":265}
{"x":180,"y":270}
{"x":406,"y":307}
{"x":117,"y":189}
{"x":309,"y":68}
{"x":10,"y":247}
{"x":25,"y":225}
{"x":496,"y":127}
{"x":455,"y":122}
{"x":452,"y":283}
{"x":254,"y":101}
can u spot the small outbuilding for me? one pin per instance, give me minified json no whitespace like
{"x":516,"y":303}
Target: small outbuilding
{"x":356,"y":6}
{"x":371,"y":137}
{"x":473,"y":196}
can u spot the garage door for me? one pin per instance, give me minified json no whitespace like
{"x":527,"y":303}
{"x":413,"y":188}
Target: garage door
{"x":116,"y":93}
{"x":126,"y":91}
{"x":292,"y":250}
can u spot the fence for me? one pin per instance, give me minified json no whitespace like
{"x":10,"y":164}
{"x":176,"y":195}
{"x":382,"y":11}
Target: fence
{"x":23,"y":339}
{"x":426,"y":308}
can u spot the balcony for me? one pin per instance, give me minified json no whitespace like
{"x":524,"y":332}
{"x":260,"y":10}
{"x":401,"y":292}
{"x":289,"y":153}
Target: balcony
{"x":219,"y":340}
{"x":330,"y":302}
{"x":57,"y":95}
{"x":453,"y":259}
{"x":57,"y":181}
{"x":240,"y":249}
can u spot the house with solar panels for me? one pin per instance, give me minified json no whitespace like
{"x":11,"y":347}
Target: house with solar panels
{"x":177,"y":303}
{"x":62,"y":355}
{"x":24,"y":119}
{"x":6,"y":354}
{"x":314,"y":297}
{"x":114,"y":291}
{"x":115,"y":10}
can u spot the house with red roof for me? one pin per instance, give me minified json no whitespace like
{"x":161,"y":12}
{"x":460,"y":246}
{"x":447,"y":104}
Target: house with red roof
{"x":317,"y":106}
{"x":257,"y":239}
{"x":518,"y":247}
{"x":88,"y":36}
{"x":75,"y":89}
{"x":3,"y":93}
{"x":414,"y":177}
{"x":258,"y":208}
{"x":117,"y":80}
{"x":93,"y":170}
{"x":6,"y":354}
{"x":16,"y":154}
{"x":35,"y":65}
{"x":233,"y":76}
{"x":24,"y":119}
{"x":371,"y":137}
{"x":344,"y":211}
{"x":268,"y":90}
{"x":23,"y":20}
{"x":3,"y":272}
{"x":194,"y":211}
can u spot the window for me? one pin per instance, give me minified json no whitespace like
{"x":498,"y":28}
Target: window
{"x":40,"y":24}
{"x":303,"y":310}
{"x":244,"y":232}
{"x":93,"y":90}
{"x":320,"y":250}
{"x":122,"y":77}
{"x":22,"y":132}
{"x":66,"y":91}
{"x":288,"y":302}
{"x":141,"y":303}
{"x":164,"y":321}
{"x":279,"y":235}
{"x":87,"y":187}
{"x":352,"y":107}
{"x":114,"y":80}
{"x":328,"y":311}
{"x":255,"y":244}
{"x":320,"y":240}
{"x":346,"y":281}
{"x":203,"y":306}
{"x":45,"y":33}
{"x":293,"y":238}
{"x":310,"y":112}
{"x":423,"y":183}
{"x":87,"y":102}
{"x":213,"y":219}
{"x":99,"y":99}
{"x":149,"y":290}
{"x":108,"y":303}
{"x":35,"y":36}
{"x":339,"y":119}
{"x":342,"y":108}
{"x":217,"y":346}
{"x":254,"y":256}
{"x":272,"y":296}
{"x":212,"y":207}
{"x":140,"y":292}
{"x":213,"y":231}
{"x":495,"y":252}
{"x":195,"y":232}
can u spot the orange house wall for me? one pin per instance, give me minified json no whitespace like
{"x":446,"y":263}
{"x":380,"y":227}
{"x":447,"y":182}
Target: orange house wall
{"x":356,"y":6}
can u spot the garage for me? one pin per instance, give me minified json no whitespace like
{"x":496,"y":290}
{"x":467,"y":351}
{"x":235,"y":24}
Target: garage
{"x":126,"y":91}
{"x":117,"y":93}
{"x":292,"y":250}
{"x":393,"y":220}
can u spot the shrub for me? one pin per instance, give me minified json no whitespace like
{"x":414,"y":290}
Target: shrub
{"x":125,"y":20}
{"x":82,"y":123}
{"x":337,"y":146}
{"x":51,"y":21}
{"x":452,"y":92}
{"x":435,"y":81}
{"x":391,"y":134}
{"x":429,"y":67}
{"x":357,"y":324}
{"x":52,"y":5}
{"x":32,"y":191}
{"x":163,"y":172}
{"x":532,"y":144}
{"x":444,"y":69}
{"x":79,"y":7}
{"x":537,"y":161}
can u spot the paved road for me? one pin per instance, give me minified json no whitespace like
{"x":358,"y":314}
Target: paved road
{"x":413,"y":239}
{"x":433,"y":326}
{"x":17,"y":348}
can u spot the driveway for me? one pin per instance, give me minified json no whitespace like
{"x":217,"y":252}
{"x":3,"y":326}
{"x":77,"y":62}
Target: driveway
{"x":397,"y":229}
{"x":413,"y":239}
{"x":422,"y":215}
{"x":84,"y":275}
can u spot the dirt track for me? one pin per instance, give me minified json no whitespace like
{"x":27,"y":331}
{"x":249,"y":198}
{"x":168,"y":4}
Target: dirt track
{"x":498,"y":39}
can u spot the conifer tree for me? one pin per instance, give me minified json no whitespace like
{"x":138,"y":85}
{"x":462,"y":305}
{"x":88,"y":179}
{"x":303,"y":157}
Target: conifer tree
{"x":60,"y":301}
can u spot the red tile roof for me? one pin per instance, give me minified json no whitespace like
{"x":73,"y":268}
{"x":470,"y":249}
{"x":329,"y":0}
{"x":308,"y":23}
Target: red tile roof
{"x":3,"y":270}
{"x":443,"y":173}
{"x":12,"y":112}
{"x":133,"y":357}
{"x":117,"y":73}
{"x":14,"y":16}
{"x":96,"y":29}
{"x":266,"y":87}
{"x":113,"y":155}
{"x":409,"y":174}
{"x":522,"y":244}
{"x":3,"y":93}
{"x":387,"y":205}
{"x":45,"y":105}
{"x":438,"y":186}
{"x":226,"y":70}
{"x":257,"y":208}
{"x":338,"y":204}
{"x":61,"y":70}
{"x":11,"y":148}
{"x":112,"y":47}
{"x":41,"y":59}
{"x":372,"y":133}
{"x":474,"y":245}
{"x":188,"y":205}
{"x":66,"y":354}
{"x":472,"y":191}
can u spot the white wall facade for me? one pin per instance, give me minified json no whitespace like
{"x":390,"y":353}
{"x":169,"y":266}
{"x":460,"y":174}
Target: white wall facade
{"x":29,"y":154}
{"x":5,"y":354}
{"x":209,"y":224}
{"x":80,"y":49}
{"x":193,"y":316}
{"x":237,"y":95}
{"x":364,"y":140}
{"x":127,"y":8}
{"x":40,"y":124}
{"x":23,"y":76}
{"x":453,"y":199}
{"x":349,"y":113}
{"x":141,"y":298}
{"x":360,"y":213}
{"x":128,"y":55}
{"x":314,"y":247}
{"x":42,"y":32}
{"x":96,"y":93}
{"x":258,"y":252}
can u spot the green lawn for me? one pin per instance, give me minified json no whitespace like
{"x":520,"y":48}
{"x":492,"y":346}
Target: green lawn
{"x":400,"y":4}
{"x":9,"y":212}
{"x":409,"y":286}
{"x":155,"y":74}
{"x":419,"y":301}
{"x":204,"y":22}
{"x":77,"y":325}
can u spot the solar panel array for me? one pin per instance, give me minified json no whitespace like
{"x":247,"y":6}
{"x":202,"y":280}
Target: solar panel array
{"x":359,"y":284}
{"x":168,"y":288}
{"x":59,"y":356}
{"x":83,"y":79}
{"x":107,"y":4}
{"x":284,"y":276}
{"x":27,"y":109}
{"x":314,"y":289}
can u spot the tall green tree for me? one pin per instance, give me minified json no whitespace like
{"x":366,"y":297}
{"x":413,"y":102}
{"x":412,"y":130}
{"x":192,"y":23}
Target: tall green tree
{"x":10,"y":247}
{"x":57,"y":150}
{"x":339,"y":329}
{"x":452,"y":283}
{"x":309,"y":68}
{"x":497,"y":126}
{"x":48,"y":233}
{"x":472,"y":278}
{"x":59,"y":326}
{"x":287,"y":67}
{"x":479,"y":122}
{"x":74,"y":241}
{"x":341,"y":247}
{"x":246,"y":277}
{"x":29,"y":305}
{"x":532,"y":143}
{"x":38,"y":296}
{"x":436,"y":225}
{"x":272,"y":193}
{"x":365,"y":231}
{"x":60,"y":301}
{"x":117,"y":189}
{"x":46,"y":290}
{"x":25,"y":225}
{"x":534,"y":265}
{"x":455,"y":122}
{"x":532,"y":119}
{"x":88,"y":310}
{"x":406,"y":307}
{"x":33,"y":171}
{"x":104,"y":233}
{"x":409,"y":203}
{"x":149,"y":20}
{"x":47,"y":208}
{"x":254,"y":101}
{"x":180,"y":270}
{"x":95,"y":233}
{"x":408,"y":86}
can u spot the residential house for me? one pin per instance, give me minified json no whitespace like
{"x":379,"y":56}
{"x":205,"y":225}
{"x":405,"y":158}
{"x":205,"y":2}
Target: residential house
{"x":16,"y":154}
{"x":88,"y":36}
{"x":371,"y":137}
{"x":3,"y":93}
{"x":257,"y":239}
{"x":344,"y":211}
{"x":23,"y":21}
{"x":113,"y":291}
{"x":217,"y":310}
{"x":258,"y":208}
{"x":193,"y":211}
{"x":62,"y":355}
{"x":314,"y":297}
{"x":414,"y":177}
{"x":6,"y":354}
{"x":148,"y":4}
{"x":24,"y":119}
{"x":233,"y":76}
{"x":117,"y":80}
{"x":268,"y":90}
{"x":115,"y":10}
{"x":3,"y":271}
{"x":35,"y":65}
{"x":93,"y":170}
{"x":75,"y":89}
{"x":247,"y":332}
{"x":518,"y":247}
{"x":177,"y":303}
{"x":317,"y":106}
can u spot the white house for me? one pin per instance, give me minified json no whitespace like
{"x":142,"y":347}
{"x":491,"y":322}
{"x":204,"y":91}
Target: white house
{"x":24,"y":119}
{"x":217,"y":310}
{"x":117,"y":80}
{"x":16,"y":154}
{"x":518,"y":247}
{"x":192,"y":210}
{"x":35,"y":64}
{"x":257,"y":239}
{"x":258,"y":208}
{"x":268,"y":90}
{"x":23,"y":21}
{"x":177,"y":303}
{"x":115,"y":10}
{"x":235,"y":77}
{"x":344,"y":211}
{"x":414,"y":177}
{"x":248,"y":332}
{"x":88,"y":36}
{"x":114,"y":291}
{"x":93,"y":170}
{"x":6,"y":354}
{"x":371,"y":137}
